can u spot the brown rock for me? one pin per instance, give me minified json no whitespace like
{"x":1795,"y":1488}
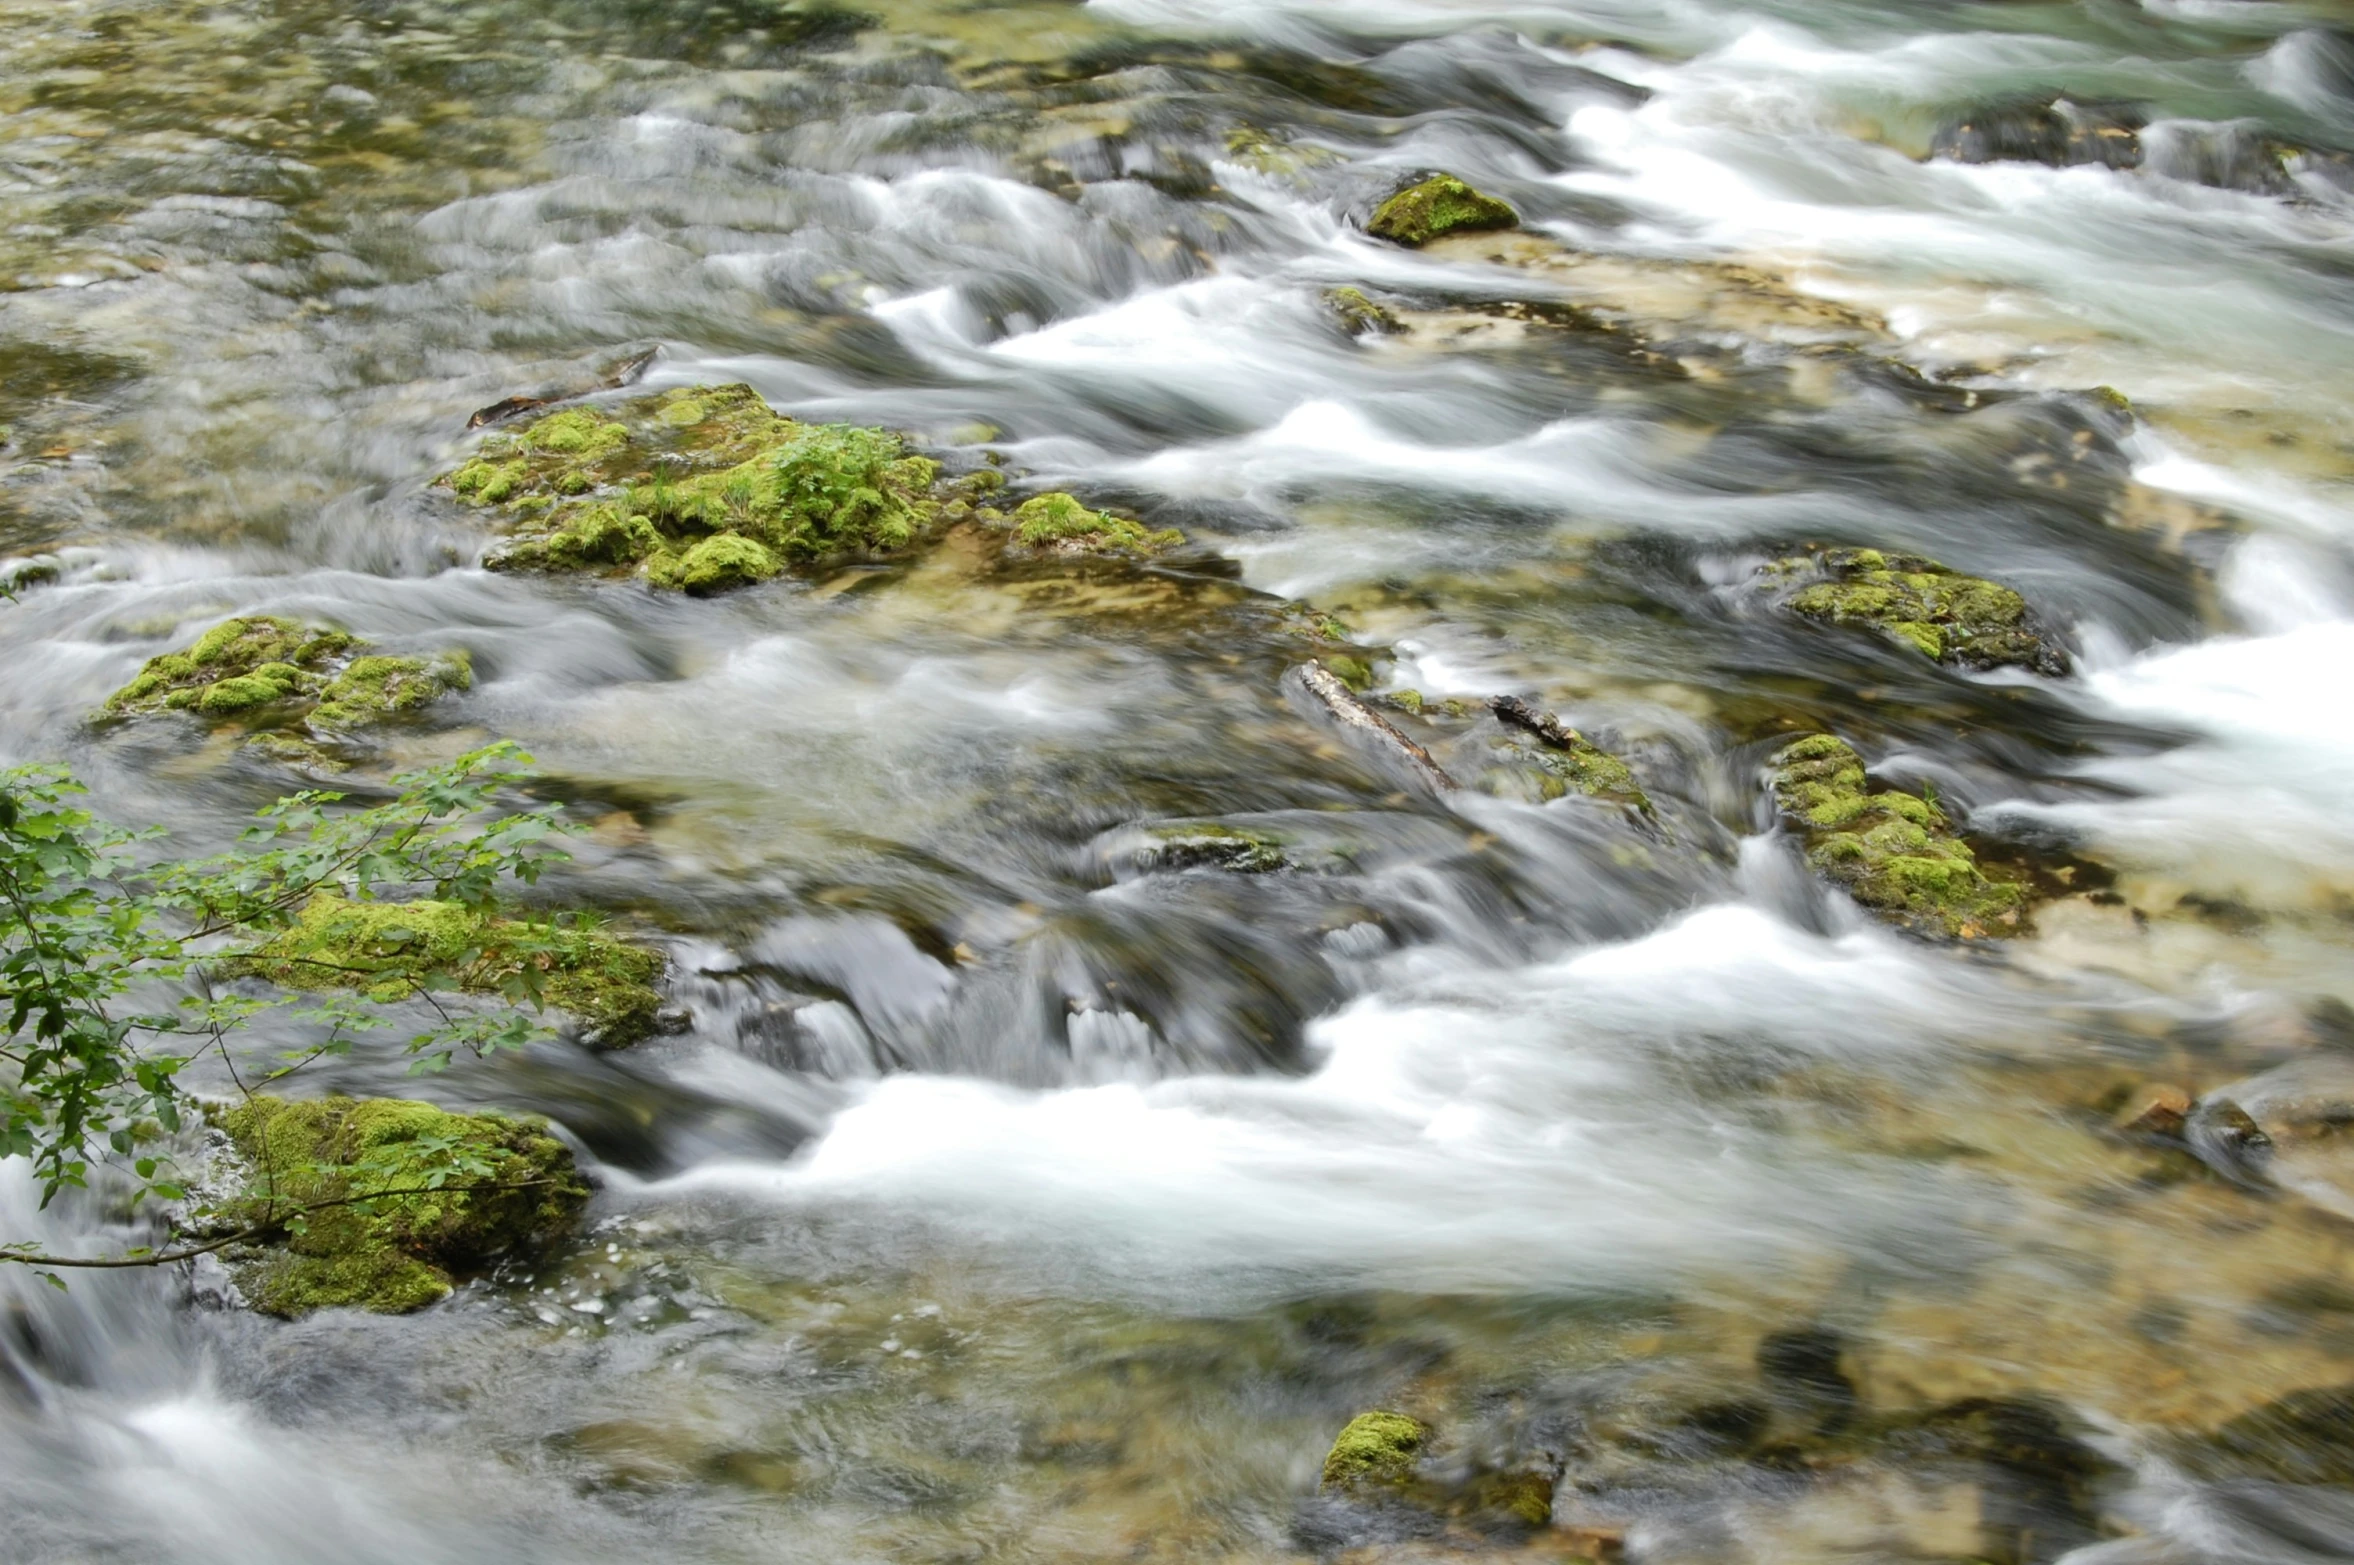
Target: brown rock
{"x":2158,"y":1109}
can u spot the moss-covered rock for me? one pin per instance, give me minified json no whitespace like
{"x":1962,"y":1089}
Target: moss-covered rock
{"x":1568,"y":761}
{"x":264,"y":670}
{"x":1894,"y":852}
{"x":701,"y":489}
{"x":234,"y":667}
{"x":1212,"y":845}
{"x":1375,"y":1451}
{"x":1359,"y":315}
{"x":472,"y":1188}
{"x":1057,"y":523}
{"x":1439,"y":206}
{"x":1948,"y":617}
{"x":390,"y":949}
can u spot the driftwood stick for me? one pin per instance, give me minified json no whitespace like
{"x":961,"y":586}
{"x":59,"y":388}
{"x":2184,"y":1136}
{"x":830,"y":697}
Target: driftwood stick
{"x":1370,"y":729}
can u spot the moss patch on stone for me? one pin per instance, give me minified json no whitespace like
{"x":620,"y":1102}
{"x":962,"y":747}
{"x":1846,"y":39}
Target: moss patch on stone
{"x":503,"y":1186}
{"x":391,"y":950}
{"x":1057,"y":523}
{"x":263,"y":671}
{"x":1894,"y":852}
{"x":1947,"y":617}
{"x":1212,"y":845}
{"x":233,"y":667}
{"x":700,"y":489}
{"x":1375,"y":1451}
{"x":1359,"y":315}
{"x":1439,"y":206}
{"x":1567,"y":760}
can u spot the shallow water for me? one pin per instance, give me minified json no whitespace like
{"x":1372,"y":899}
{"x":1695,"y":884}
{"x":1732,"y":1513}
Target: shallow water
{"x":1002,"y":1202}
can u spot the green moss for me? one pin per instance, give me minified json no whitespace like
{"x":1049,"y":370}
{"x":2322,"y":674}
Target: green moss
{"x":715,"y":565}
{"x":400,"y":1251}
{"x":233,"y":667}
{"x":652,"y":482}
{"x":1213,"y":845}
{"x":389,"y":949}
{"x":1375,"y":1450}
{"x":373,"y":688}
{"x":1946,"y":616}
{"x":1567,"y":760}
{"x":1358,"y":315}
{"x":1439,"y":206}
{"x":1058,"y":522}
{"x":268,"y":670}
{"x":1894,"y":852}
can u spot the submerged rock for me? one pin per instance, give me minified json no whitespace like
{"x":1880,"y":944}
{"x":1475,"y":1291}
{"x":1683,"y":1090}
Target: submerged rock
{"x":473,"y":1188}
{"x":2059,"y":132}
{"x":1950,"y":618}
{"x":701,"y":489}
{"x":266,"y":668}
{"x":1893,"y":852}
{"x":2306,"y":1437}
{"x":387,"y":950}
{"x":1437,"y":207}
{"x":1238,"y":850}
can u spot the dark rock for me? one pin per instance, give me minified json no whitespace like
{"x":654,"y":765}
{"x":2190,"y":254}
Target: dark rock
{"x":2060,"y":133}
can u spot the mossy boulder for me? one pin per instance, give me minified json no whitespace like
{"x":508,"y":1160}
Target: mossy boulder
{"x":1894,"y":852}
{"x":1375,"y":1452}
{"x":700,"y":489}
{"x":1950,"y":618}
{"x":1057,"y":523}
{"x":1439,"y":206}
{"x":471,"y":1188}
{"x":234,"y":667}
{"x":263,"y":670}
{"x":392,"y":950}
{"x":1359,"y":314}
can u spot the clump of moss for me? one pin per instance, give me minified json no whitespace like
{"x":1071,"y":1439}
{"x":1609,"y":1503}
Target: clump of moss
{"x":373,"y":688}
{"x":233,"y":667}
{"x":701,"y":489}
{"x":1568,"y":761}
{"x":1894,"y":852}
{"x":1358,"y":314}
{"x":390,"y":950}
{"x":1058,"y":523}
{"x":1439,"y":206}
{"x":262,"y":671}
{"x":473,"y":1187}
{"x":1213,"y":845}
{"x":1375,"y":1451}
{"x":1948,"y":617}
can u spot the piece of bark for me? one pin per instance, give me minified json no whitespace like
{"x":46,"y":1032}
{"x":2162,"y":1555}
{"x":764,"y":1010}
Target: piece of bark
{"x":623,"y":372}
{"x":1369,"y":728}
{"x":1544,"y":725}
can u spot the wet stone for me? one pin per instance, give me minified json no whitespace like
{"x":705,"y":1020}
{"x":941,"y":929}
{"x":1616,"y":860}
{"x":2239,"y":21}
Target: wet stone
{"x":1948,"y":617}
{"x":1895,"y":853}
{"x":1438,"y":206}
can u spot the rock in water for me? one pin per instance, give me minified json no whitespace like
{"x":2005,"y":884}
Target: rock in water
{"x":1950,"y":618}
{"x":1894,"y":852}
{"x":1439,"y":206}
{"x":2061,"y":133}
{"x":1375,"y":1452}
{"x":471,"y":1189}
{"x":1573,"y":758}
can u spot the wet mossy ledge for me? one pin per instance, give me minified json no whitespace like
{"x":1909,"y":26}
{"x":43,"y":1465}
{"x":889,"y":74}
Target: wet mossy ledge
{"x":386,"y":949}
{"x":1436,"y":207}
{"x":460,"y":1193}
{"x":269,"y":672}
{"x":705,"y":489}
{"x":1948,"y":617}
{"x":1895,"y":853}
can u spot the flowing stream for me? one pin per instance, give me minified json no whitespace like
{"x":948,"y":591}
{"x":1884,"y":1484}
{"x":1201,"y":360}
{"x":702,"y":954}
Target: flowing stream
{"x":998,"y":1202}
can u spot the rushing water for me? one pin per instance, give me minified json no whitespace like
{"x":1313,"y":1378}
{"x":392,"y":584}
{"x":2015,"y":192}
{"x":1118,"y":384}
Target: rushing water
{"x":1001,"y":1204}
